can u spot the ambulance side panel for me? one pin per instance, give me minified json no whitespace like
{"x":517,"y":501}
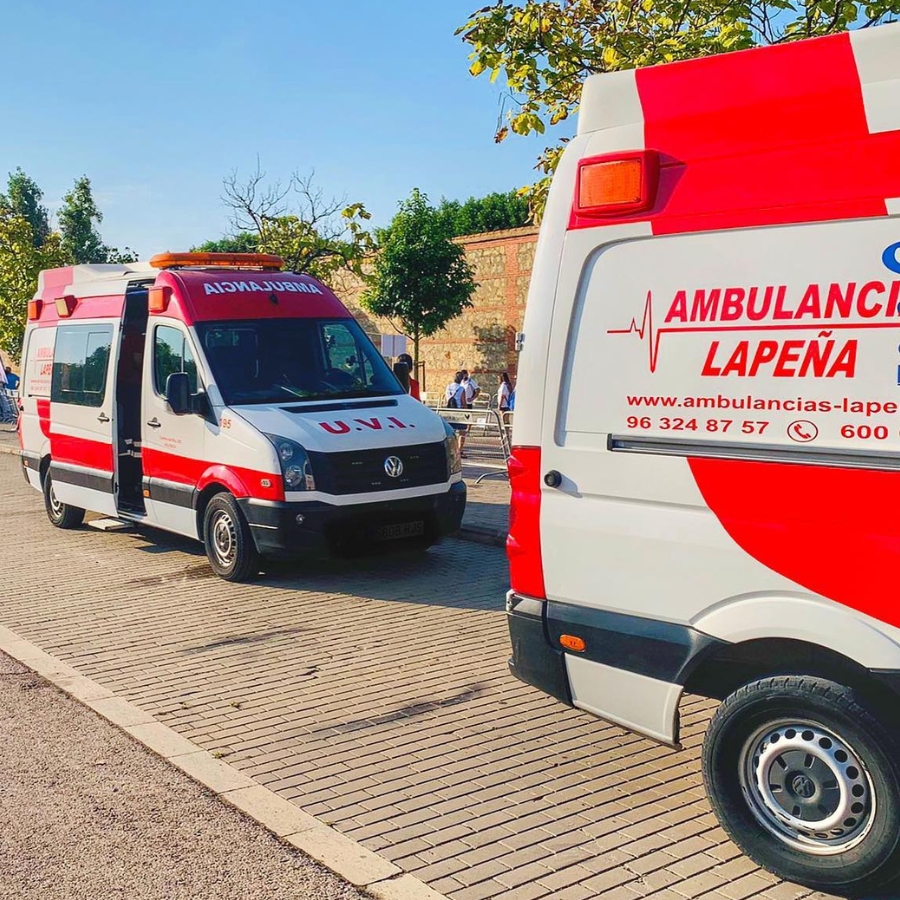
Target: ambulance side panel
{"x":716,"y":482}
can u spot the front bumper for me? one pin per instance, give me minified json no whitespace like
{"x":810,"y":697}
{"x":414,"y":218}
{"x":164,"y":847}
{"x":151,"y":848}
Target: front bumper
{"x":326,"y":528}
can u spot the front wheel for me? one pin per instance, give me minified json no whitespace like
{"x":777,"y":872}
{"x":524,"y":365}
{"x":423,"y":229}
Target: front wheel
{"x":805,"y":779}
{"x":229,"y":543}
{"x":60,"y":514}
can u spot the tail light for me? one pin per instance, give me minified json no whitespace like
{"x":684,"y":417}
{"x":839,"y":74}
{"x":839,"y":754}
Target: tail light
{"x":523,"y":546}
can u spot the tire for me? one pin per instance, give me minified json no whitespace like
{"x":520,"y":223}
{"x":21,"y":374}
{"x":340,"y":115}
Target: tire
{"x":230,"y":549}
{"x":831,"y":764}
{"x":60,"y":514}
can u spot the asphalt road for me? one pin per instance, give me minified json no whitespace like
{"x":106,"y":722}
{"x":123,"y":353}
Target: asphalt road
{"x":85,"y":812}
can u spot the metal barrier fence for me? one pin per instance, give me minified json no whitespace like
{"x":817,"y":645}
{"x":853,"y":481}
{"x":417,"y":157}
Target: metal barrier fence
{"x":9,"y":408}
{"x":487,"y":435}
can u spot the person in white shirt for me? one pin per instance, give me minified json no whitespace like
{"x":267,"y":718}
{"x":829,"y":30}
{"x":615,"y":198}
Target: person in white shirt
{"x":471,"y":387}
{"x":504,"y":392}
{"x":455,"y":398}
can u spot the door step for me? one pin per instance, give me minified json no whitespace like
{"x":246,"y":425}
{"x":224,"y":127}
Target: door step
{"x":110,"y":525}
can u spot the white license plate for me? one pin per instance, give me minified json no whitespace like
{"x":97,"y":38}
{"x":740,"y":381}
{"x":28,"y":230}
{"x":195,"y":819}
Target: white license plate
{"x":401,"y":530}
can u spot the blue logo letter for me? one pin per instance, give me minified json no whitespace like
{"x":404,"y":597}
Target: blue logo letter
{"x":891,"y":258}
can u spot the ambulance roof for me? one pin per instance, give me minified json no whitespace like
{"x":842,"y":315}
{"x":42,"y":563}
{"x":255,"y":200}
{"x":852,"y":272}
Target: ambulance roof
{"x":91,"y":280}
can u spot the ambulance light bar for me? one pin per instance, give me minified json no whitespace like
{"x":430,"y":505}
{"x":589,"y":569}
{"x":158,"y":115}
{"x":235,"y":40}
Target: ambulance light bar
{"x":265,"y":261}
{"x":617,"y":183}
{"x":65,"y":306}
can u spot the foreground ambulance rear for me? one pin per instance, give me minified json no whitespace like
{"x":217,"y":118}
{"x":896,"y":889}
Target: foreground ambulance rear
{"x":706,"y":471}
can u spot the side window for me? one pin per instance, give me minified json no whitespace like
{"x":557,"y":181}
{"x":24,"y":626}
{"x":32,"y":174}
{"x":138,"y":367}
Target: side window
{"x":80,"y":363}
{"x":172,"y":353}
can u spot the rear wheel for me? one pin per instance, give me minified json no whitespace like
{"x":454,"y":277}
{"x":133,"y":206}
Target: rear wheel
{"x":60,"y":514}
{"x":804,"y":778}
{"x":229,"y":543}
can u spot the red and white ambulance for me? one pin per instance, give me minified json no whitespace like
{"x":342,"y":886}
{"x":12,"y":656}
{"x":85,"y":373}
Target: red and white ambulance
{"x":218,"y":397}
{"x":706,"y":470}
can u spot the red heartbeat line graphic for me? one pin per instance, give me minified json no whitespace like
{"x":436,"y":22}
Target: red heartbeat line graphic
{"x":646,"y":332}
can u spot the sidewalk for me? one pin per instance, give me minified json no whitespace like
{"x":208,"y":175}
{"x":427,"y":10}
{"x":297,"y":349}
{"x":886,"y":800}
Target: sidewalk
{"x":86,"y":812}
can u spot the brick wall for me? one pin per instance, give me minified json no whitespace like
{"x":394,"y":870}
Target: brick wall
{"x":482,"y":339}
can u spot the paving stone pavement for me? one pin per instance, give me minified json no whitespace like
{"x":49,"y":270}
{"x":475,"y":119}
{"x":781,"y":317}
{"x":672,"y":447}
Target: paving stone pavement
{"x":375,"y":695}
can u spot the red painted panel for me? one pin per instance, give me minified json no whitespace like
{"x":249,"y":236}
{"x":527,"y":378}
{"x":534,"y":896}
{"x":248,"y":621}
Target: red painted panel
{"x":833,"y":531}
{"x":81,"y":452}
{"x":241,"y":481}
{"x":85,"y":308}
{"x":763,"y":137}
{"x":204,"y":296}
{"x":523,"y":545}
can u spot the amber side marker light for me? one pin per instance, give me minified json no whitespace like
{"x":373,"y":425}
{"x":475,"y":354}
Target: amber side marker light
{"x":617,"y":184}
{"x":268,"y":262}
{"x":34,"y":309}
{"x":158,"y":298}
{"x":65,"y":306}
{"x":571,"y":642}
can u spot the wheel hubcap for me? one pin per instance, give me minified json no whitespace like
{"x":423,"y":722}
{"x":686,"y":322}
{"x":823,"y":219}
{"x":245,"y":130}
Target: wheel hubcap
{"x":806,"y":786}
{"x":224,"y":538}
{"x":55,"y":506}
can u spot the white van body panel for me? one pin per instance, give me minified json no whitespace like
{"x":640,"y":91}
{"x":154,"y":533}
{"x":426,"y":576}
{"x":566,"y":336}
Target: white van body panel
{"x":658,"y":429}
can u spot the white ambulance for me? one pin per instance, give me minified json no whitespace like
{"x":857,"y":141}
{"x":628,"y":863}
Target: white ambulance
{"x":706,"y":462}
{"x":218,"y":397}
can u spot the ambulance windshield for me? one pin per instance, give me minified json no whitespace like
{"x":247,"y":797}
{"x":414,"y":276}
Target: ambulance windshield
{"x":283,"y":360}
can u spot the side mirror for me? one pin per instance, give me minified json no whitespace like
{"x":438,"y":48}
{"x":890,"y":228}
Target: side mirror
{"x":401,"y":370}
{"x":178,"y":393}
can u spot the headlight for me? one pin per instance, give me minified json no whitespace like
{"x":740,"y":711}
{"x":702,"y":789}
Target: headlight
{"x":295,"y":465}
{"x":451,"y":446}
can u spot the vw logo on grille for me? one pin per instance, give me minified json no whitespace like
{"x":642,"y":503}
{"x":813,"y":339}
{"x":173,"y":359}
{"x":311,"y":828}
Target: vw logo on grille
{"x":393,"y":465}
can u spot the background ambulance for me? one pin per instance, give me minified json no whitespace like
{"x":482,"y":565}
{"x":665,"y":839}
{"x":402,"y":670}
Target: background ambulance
{"x":706,"y":472}
{"x":218,"y":397}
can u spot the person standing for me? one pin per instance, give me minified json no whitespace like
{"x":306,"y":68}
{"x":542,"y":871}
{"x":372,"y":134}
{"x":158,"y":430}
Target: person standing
{"x":413,"y":383}
{"x":504,"y":393}
{"x":471,"y":388}
{"x":455,"y":398}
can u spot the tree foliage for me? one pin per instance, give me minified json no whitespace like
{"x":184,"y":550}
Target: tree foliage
{"x":421,"y":276}
{"x":495,"y":212}
{"x":78,"y":221}
{"x":542,"y":50}
{"x":23,"y":198}
{"x":20,"y":262}
{"x":242,"y":242}
{"x":313,"y":234}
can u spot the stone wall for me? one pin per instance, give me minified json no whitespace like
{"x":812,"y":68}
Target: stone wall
{"x":482,"y":339}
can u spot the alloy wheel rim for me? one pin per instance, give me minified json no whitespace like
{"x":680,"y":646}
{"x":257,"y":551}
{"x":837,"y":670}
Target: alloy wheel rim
{"x":56,"y":508}
{"x":807,"y":787}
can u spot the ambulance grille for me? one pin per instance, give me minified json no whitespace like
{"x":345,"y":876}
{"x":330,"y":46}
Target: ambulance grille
{"x":361,"y":471}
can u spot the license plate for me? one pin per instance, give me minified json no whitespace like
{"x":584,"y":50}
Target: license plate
{"x":398,"y":531}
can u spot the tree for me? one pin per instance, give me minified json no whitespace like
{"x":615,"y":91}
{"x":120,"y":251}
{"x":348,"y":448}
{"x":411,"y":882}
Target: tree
{"x":495,"y":212}
{"x":23,"y":198}
{"x":421,"y":277}
{"x":312,"y":234}
{"x":242,"y":242}
{"x":20,"y":262}
{"x":78,"y":220}
{"x":544,"y":49}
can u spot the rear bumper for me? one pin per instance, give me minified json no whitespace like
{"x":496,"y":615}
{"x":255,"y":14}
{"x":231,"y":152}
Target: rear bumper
{"x":534,"y":659}
{"x":288,"y":529}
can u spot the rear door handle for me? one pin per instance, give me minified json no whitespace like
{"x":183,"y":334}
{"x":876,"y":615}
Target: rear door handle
{"x":155,"y":423}
{"x":103,"y":417}
{"x":553,"y":479}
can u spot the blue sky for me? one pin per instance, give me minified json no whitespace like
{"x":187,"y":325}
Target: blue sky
{"x":155,"y":102}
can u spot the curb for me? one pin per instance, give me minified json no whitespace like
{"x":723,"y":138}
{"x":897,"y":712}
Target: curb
{"x":327,"y":846}
{"x":10,"y":451}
